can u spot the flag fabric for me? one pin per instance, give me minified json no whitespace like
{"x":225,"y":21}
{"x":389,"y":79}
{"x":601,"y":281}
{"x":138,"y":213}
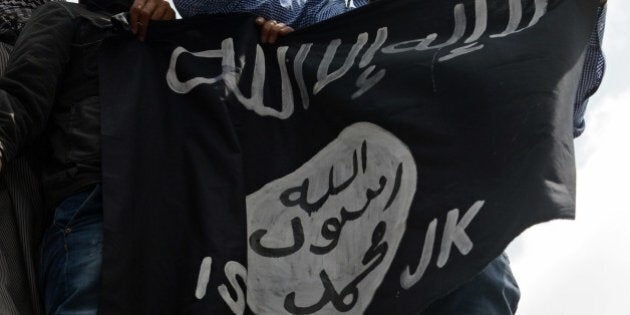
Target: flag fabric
{"x":368,"y":164}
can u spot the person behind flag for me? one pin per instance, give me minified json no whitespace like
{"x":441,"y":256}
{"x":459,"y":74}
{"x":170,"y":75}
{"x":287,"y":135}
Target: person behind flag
{"x":494,"y":290}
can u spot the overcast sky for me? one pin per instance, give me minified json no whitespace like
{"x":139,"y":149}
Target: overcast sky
{"x":582,"y":267}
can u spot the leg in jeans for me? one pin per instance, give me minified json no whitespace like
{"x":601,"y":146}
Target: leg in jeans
{"x":493,"y":292}
{"x":71,"y":257}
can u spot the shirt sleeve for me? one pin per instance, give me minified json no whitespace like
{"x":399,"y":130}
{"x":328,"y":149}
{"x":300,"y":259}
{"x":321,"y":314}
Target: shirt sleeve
{"x":28,"y":87}
{"x":592,"y":73}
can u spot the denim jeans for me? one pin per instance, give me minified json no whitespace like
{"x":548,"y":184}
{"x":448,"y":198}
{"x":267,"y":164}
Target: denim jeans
{"x":71,"y":255}
{"x":492,"y":292}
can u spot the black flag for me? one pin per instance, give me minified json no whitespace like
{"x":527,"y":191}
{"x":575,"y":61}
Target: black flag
{"x":368,"y":164}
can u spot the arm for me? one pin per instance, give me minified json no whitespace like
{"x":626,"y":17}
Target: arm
{"x":28,"y":88}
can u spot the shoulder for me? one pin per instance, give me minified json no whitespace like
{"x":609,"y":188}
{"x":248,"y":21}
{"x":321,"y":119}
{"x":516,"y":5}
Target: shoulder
{"x":59,"y":8}
{"x":63,"y":13}
{"x":49,"y":22}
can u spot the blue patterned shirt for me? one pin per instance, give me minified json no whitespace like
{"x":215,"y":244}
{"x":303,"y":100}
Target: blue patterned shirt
{"x":592,"y":73}
{"x":296,"y":13}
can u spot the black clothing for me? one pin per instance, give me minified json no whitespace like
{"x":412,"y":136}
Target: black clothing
{"x":13,"y":16}
{"x":50,"y":88}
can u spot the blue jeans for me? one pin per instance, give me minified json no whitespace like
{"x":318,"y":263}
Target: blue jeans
{"x":492,"y":292}
{"x":71,"y":255}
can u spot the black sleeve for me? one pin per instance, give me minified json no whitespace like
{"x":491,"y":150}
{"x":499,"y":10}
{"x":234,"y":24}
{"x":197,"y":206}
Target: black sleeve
{"x":28,"y":87}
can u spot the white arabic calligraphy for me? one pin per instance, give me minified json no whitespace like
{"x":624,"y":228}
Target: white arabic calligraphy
{"x":231,"y":77}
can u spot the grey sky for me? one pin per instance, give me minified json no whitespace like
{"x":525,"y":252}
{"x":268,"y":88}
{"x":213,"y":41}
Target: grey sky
{"x":583,"y":267}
